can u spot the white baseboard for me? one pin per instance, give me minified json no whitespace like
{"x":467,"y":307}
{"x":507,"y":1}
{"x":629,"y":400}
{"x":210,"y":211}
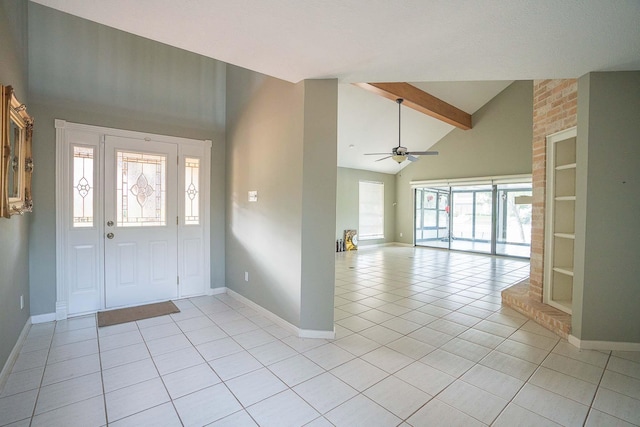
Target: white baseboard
{"x":44,"y":318}
{"x":11,"y":360}
{"x":216,"y":291}
{"x":310,"y":333}
{"x":61,"y":310}
{"x":266,"y":313}
{"x":604,"y":345}
{"x":362,"y":246}
{"x":302,"y":333}
{"x":372,"y":245}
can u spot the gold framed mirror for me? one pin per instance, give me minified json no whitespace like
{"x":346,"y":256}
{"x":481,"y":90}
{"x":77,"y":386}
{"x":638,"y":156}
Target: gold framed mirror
{"x":16,"y":166}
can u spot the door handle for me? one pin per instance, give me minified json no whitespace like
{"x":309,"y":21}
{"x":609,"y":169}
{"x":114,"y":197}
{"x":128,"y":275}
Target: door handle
{"x":110,"y":235}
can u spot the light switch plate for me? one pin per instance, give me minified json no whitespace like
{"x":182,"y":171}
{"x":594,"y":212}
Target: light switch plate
{"x":253,"y":196}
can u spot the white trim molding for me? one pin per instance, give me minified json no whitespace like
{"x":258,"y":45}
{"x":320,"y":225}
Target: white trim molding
{"x":404,"y":245}
{"x":266,"y":313}
{"x":311,"y":333}
{"x":604,"y":345}
{"x":44,"y":318}
{"x":71,"y":303}
{"x":61,"y":310}
{"x":61,"y":285}
{"x":13,"y":356}
{"x":302,"y":333}
{"x":486,"y":180}
{"x":216,"y":291}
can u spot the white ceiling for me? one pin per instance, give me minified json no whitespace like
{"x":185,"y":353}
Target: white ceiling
{"x":381,"y":40}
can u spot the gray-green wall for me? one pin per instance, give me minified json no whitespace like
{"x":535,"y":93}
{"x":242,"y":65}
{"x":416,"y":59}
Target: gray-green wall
{"x":14,"y":232}
{"x":347,"y":203}
{"x":608,"y":197}
{"x":498,"y":144}
{"x":281,"y":142}
{"x":319,"y":203}
{"x":88,"y":73}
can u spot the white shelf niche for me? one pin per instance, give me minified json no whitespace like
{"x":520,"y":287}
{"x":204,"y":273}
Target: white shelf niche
{"x":560,"y":219}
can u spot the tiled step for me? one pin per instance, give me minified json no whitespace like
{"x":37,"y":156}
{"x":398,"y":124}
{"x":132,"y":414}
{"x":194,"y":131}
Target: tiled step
{"x":517,"y":297}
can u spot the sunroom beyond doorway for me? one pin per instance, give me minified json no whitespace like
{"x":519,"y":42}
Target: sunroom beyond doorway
{"x":485,"y":215}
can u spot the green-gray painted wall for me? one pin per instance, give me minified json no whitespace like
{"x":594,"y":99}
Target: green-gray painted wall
{"x":88,"y":73}
{"x":264,"y":153}
{"x":319,"y":160}
{"x":281,"y":142}
{"x":609,"y":155}
{"x":14,"y":232}
{"x":348,"y":206}
{"x":498,"y":144}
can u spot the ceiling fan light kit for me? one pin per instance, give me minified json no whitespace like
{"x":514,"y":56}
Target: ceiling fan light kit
{"x":399,"y":154}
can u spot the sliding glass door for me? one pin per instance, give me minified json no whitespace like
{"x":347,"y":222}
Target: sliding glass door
{"x":513,"y":235}
{"x":432,"y":217}
{"x":471,"y":218}
{"x":485,"y":218}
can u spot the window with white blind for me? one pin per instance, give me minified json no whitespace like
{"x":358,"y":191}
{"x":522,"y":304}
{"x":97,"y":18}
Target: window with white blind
{"x":371,"y":221}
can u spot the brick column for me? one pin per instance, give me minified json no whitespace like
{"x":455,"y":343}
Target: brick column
{"x":555,"y":108}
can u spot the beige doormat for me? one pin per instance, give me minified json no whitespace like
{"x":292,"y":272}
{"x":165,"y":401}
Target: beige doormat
{"x":124,"y":315}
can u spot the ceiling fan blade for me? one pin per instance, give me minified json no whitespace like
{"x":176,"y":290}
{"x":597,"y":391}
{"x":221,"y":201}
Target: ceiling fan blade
{"x":384,"y":158}
{"x":411,"y":158}
{"x":424,"y":153}
{"x":376,"y":154}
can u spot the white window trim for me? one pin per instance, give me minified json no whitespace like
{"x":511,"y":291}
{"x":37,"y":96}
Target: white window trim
{"x":485,"y":180}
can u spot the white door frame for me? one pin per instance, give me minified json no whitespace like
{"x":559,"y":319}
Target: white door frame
{"x":91,"y":243}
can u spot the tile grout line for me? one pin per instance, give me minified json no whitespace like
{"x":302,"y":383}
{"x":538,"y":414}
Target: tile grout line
{"x":524,"y":383}
{"x":104,"y":394}
{"x":593,"y":399}
{"x":437,"y":348}
{"x":488,"y":296}
{"x":159,"y":375}
{"x":210,"y":367}
{"x":35,"y":403}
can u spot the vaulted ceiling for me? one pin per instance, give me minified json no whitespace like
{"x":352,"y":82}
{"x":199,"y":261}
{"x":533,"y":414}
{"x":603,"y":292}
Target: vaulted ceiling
{"x":496,"y":41}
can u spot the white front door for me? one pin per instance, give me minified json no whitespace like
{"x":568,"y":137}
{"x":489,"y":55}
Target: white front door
{"x":150,"y":194}
{"x":140,"y":221}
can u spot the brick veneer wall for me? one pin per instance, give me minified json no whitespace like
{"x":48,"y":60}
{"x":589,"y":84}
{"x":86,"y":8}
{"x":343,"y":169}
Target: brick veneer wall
{"x":555,"y":108}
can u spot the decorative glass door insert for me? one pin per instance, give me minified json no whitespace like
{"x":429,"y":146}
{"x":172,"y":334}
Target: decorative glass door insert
{"x":83,"y":186}
{"x":191,"y":191}
{"x":141,"y":189}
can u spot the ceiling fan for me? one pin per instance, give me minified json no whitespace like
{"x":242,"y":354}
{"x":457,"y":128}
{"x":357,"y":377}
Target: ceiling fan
{"x":400,"y":153}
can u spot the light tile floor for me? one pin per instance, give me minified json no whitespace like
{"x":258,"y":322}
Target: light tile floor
{"x":421,"y":340}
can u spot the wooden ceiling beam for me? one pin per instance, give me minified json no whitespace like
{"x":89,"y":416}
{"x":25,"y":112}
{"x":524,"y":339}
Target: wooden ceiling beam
{"x":421,"y":101}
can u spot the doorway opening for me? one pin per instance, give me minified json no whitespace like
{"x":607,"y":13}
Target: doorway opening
{"x":132,"y":217}
{"x":485,"y":217}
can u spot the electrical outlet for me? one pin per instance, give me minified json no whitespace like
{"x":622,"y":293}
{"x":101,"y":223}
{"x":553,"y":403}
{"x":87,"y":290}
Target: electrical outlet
{"x":21,"y":302}
{"x":400,"y":234}
{"x":246,"y":276}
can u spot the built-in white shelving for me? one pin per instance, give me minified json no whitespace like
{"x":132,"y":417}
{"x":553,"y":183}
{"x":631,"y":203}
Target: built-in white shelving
{"x":560,"y":219}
